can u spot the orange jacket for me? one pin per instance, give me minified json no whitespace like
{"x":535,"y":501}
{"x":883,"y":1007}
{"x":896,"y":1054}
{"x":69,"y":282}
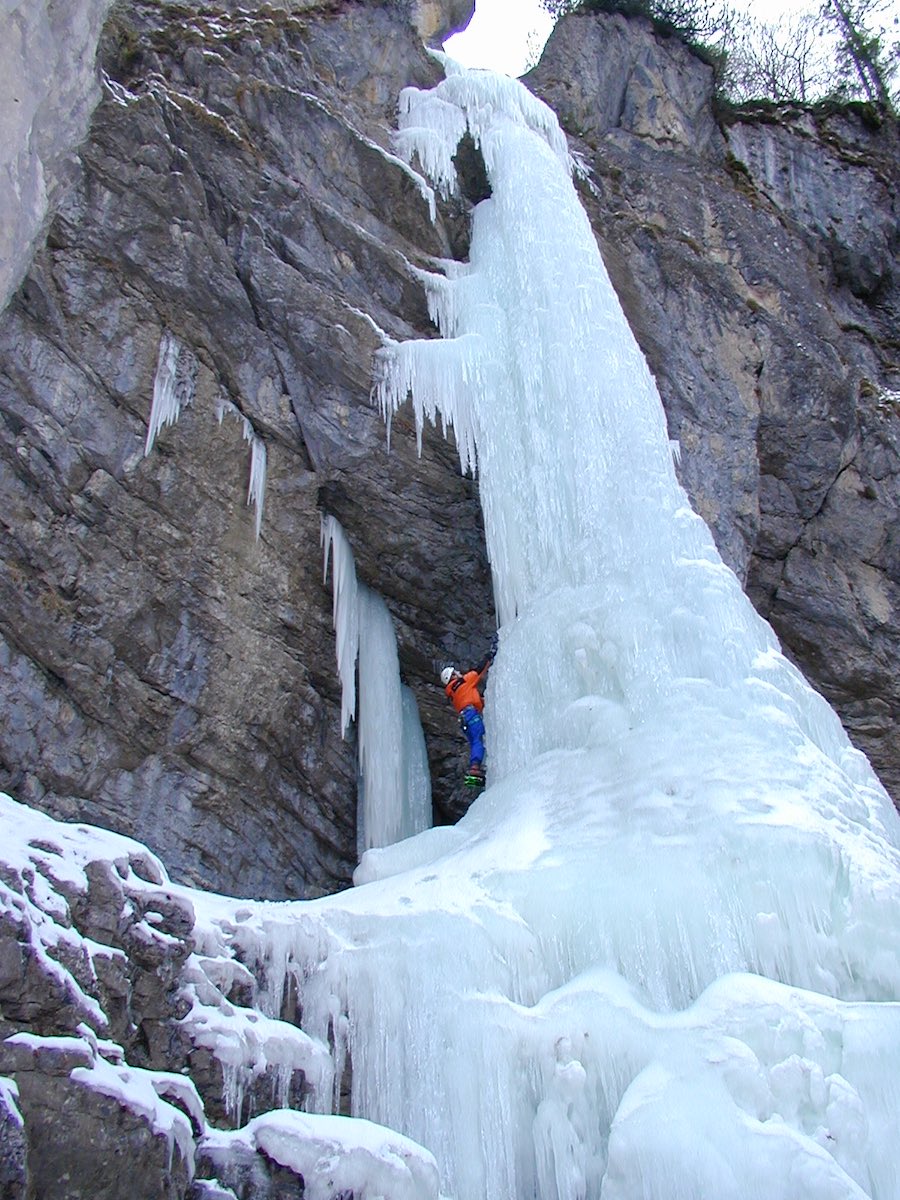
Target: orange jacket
{"x":462,"y":692}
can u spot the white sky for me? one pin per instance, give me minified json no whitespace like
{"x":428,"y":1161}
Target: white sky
{"x":498,"y":34}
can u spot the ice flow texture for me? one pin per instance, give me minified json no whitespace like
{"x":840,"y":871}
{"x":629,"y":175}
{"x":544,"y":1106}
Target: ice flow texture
{"x":659,"y":959}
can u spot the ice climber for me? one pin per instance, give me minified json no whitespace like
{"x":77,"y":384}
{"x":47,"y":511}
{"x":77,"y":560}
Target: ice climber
{"x":462,"y":692}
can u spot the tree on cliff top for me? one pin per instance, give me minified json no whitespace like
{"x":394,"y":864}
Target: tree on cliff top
{"x":691,"y":20}
{"x":866,"y":61}
{"x":786,"y":61}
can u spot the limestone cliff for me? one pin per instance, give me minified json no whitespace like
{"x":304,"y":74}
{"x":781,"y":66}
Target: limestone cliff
{"x":165,"y":672}
{"x":48,"y":91}
{"x":168,"y":674}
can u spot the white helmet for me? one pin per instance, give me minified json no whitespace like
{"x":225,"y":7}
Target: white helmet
{"x":447,"y":674}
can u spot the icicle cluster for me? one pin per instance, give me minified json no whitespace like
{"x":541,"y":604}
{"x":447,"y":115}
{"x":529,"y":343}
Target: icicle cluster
{"x":345,"y":613}
{"x":173,"y":385}
{"x":256,"y":489}
{"x":394,"y":783}
{"x":173,"y":389}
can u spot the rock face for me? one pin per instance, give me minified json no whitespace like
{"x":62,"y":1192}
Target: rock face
{"x":757,"y":264}
{"x":92,"y":947}
{"x":13,"y":1146}
{"x":49,"y":89}
{"x":236,"y":213}
{"x":166,"y":672}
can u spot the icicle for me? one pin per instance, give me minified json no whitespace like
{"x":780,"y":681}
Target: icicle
{"x":394,"y":783}
{"x":381,"y":763}
{"x":345,"y":610}
{"x":256,"y":489}
{"x":173,"y":386}
{"x":235,"y":1079}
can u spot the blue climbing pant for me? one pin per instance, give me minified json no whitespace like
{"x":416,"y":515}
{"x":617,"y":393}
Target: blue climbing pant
{"x":473,"y":727}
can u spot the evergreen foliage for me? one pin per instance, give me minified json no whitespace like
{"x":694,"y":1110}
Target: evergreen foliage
{"x":866,"y":62}
{"x":690,"y":20}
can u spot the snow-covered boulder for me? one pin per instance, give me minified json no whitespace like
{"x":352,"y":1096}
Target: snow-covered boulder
{"x":330,"y":1156}
{"x":112,"y":1028}
{"x":91,"y":1123}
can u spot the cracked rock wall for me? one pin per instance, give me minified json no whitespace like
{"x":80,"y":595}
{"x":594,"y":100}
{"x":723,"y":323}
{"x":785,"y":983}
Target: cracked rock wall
{"x":165,"y":673}
{"x":48,"y":90}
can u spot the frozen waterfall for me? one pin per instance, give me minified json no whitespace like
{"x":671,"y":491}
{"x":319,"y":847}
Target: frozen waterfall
{"x":659,"y":959}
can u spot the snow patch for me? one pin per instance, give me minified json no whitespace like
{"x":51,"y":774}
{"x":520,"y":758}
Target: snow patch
{"x":9,"y":1100}
{"x":139,"y":1091}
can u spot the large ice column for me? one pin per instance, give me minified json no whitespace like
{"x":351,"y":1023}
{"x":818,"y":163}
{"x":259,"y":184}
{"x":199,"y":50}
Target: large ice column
{"x":417,"y":784}
{"x":48,"y":90}
{"x":382,"y":765}
{"x":610,"y":588}
{"x":345,"y":613}
{"x":394,"y":781}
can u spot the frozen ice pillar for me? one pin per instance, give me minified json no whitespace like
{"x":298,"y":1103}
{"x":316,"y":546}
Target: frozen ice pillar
{"x":659,"y":959}
{"x":394,"y":781}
